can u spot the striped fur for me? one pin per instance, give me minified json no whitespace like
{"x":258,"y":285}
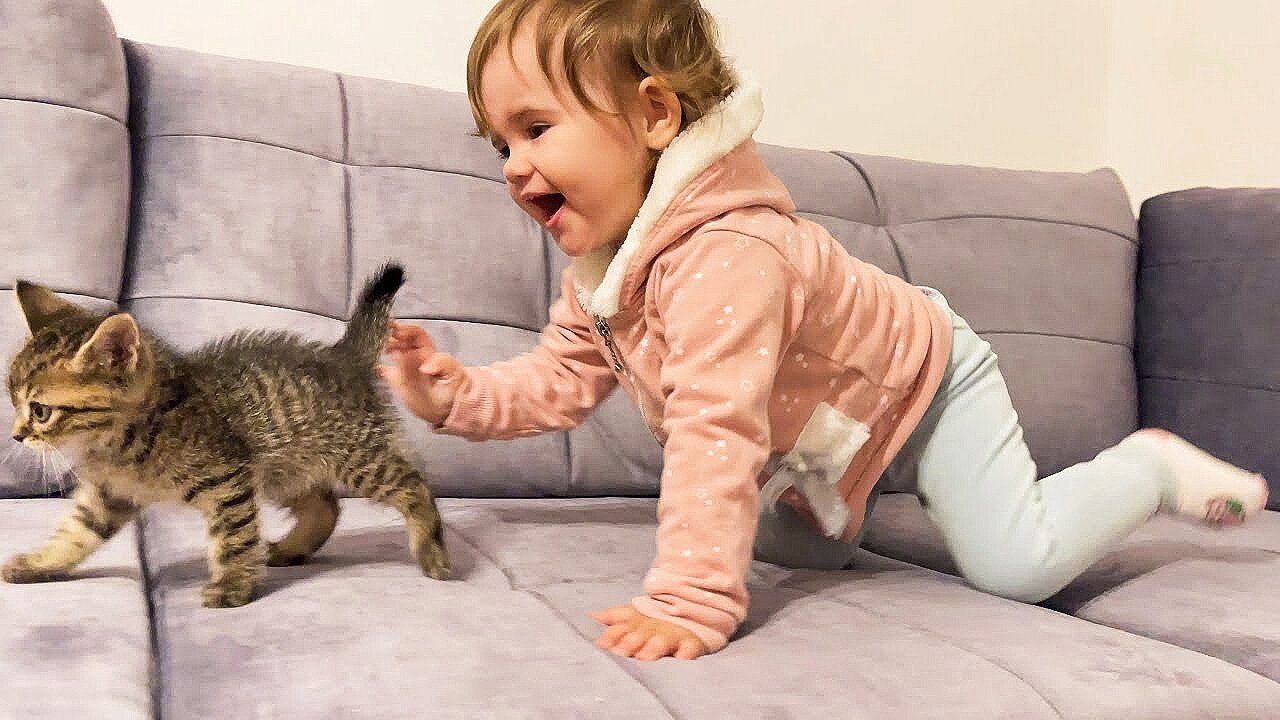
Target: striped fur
{"x":257,"y":416}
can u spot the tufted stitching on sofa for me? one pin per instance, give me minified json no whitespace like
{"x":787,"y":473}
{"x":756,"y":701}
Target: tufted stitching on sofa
{"x":53,"y":103}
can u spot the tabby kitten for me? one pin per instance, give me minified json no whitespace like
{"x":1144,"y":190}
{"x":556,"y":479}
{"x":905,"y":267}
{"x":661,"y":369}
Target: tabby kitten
{"x":252,"y":417}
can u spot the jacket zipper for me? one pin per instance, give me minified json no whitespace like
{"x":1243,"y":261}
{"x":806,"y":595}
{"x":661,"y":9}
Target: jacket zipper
{"x":606,"y":334}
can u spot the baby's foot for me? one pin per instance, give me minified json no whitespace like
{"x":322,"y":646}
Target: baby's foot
{"x":1205,"y":488}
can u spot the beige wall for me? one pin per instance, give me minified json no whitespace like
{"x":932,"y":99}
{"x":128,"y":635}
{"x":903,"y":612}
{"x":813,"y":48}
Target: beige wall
{"x":1172,"y":93}
{"x":1194,"y":96}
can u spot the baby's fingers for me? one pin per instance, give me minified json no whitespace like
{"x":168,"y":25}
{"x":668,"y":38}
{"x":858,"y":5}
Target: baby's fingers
{"x":443,"y":367}
{"x":658,"y":647}
{"x":613,"y":615}
{"x":409,"y":337}
{"x":690,"y":649}
{"x":611,"y":636}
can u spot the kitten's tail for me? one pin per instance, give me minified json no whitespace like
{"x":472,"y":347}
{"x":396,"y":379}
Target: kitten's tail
{"x":367,"y":331}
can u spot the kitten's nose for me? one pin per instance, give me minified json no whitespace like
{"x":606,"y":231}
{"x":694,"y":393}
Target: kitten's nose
{"x":20,"y":437}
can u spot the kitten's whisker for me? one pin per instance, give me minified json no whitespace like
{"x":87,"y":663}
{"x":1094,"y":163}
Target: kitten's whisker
{"x":68,"y":470}
{"x":44,"y":470}
{"x":55,"y":462}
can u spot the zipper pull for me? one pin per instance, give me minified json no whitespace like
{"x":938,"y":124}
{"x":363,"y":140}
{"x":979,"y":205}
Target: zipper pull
{"x":606,"y":334}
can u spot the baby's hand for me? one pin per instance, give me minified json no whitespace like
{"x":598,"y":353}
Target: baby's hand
{"x":425,"y":379}
{"x":630,"y":634}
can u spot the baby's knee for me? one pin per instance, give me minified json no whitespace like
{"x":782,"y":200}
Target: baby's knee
{"x":1022,"y":579}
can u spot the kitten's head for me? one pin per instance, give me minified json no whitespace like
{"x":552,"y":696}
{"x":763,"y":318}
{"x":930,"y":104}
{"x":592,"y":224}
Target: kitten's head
{"x":76,"y":374}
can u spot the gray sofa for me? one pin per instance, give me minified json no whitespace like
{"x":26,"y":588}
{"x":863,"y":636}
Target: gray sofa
{"x":204,"y":194}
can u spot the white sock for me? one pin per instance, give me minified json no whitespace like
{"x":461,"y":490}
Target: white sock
{"x":1201,"y":486}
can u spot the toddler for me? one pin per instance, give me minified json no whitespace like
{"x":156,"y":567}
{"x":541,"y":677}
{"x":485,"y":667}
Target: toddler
{"x":782,"y":376}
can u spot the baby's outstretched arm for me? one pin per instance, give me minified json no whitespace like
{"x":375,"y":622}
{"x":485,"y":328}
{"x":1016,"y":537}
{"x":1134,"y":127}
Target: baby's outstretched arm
{"x":729,"y":309}
{"x":554,"y":386}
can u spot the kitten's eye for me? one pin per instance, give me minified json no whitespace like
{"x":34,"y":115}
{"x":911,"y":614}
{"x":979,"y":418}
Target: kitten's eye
{"x":504,"y":152}
{"x":41,"y":412}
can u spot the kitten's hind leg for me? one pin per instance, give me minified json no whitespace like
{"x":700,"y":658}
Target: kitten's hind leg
{"x":236,"y":555}
{"x":396,"y":483}
{"x":315,"y":514}
{"x":96,"y":518}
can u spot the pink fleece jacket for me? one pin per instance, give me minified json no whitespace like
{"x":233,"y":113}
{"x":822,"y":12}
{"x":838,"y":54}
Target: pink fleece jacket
{"x":769,"y":363}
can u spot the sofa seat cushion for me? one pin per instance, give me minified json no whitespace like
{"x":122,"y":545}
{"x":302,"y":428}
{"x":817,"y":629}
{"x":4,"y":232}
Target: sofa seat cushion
{"x":80,"y":647}
{"x":359,"y":632}
{"x":1209,"y":591}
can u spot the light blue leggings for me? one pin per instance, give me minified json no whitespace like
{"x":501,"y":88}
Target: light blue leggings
{"x":1009,"y":534}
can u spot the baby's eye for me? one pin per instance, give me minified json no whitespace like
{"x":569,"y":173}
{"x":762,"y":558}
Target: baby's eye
{"x":41,"y":412}
{"x":536,"y":130}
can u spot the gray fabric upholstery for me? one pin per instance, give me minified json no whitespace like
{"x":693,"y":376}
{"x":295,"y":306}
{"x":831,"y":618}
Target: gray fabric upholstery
{"x":64,"y":169}
{"x":1213,"y":592}
{"x":361,"y":632}
{"x":1208,"y":311}
{"x":266,"y":193}
{"x":78,"y":648}
{"x":1041,"y":265}
{"x":256,"y":195}
{"x":331,"y":184}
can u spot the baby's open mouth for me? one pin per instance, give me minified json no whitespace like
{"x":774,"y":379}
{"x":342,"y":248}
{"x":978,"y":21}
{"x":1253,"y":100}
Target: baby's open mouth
{"x":548,"y":205}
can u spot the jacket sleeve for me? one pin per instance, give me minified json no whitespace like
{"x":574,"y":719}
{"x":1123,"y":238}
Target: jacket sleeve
{"x":730,"y":305}
{"x":552,"y":387}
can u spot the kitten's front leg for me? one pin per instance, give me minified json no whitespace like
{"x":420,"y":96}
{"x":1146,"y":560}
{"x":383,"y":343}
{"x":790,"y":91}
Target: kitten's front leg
{"x":236,"y":555}
{"x":96,"y":518}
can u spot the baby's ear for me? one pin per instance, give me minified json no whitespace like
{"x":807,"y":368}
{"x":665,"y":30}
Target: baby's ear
{"x":39,"y":305}
{"x":663,"y":114}
{"x":114,"y":346}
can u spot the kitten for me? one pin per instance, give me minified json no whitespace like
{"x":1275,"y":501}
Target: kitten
{"x":255,"y":416}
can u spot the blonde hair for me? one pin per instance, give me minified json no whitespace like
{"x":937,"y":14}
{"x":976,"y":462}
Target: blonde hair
{"x":673,"y":40}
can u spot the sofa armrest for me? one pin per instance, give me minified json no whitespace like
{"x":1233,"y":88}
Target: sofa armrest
{"x":1208,"y":345}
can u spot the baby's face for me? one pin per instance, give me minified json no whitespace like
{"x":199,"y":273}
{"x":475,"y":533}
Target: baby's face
{"x":579,"y":173}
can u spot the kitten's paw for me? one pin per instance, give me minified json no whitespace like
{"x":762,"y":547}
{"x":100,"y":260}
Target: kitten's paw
{"x":225,"y":594}
{"x":277,"y":557}
{"x":434,"y":562}
{"x":21,"y":569}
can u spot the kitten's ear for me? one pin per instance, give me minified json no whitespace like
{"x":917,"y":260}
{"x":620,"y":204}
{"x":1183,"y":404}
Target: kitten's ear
{"x":39,"y":305}
{"x":115,"y":345}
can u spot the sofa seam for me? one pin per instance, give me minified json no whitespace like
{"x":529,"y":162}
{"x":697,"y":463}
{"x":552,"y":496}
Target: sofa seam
{"x":327,"y":316}
{"x":346,"y":190}
{"x":1241,"y":386}
{"x":550,"y":284}
{"x":150,"y":596}
{"x":871,"y":189}
{"x":1034,"y":333}
{"x":350,"y":240}
{"x":511,"y":581}
{"x":1206,"y":261}
{"x":90,"y":296}
{"x":346,"y":122}
{"x":318,"y":156}
{"x":940,"y":638}
{"x":617,"y":661}
{"x":1076,"y":614}
{"x":1019,"y":218}
{"x":69,"y":106}
{"x":897,"y":250}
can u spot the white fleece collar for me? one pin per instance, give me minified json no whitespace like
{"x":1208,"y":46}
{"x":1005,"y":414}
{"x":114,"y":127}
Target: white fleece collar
{"x":598,"y":275}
